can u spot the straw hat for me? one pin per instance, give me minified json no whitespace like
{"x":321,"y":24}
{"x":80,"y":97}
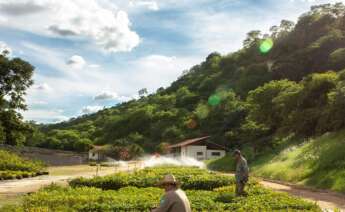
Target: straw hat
{"x":237,"y":152}
{"x":168,"y":179}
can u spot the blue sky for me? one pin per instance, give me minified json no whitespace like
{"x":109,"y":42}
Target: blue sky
{"x":91,"y":54}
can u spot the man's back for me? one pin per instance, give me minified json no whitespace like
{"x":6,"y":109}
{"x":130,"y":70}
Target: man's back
{"x":242,"y":169}
{"x":174,"y":201}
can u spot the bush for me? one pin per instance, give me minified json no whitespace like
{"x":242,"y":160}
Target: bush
{"x":56,"y":198}
{"x":14,"y":167}
{"x":225,"y":164}
{"x":190,"y":178}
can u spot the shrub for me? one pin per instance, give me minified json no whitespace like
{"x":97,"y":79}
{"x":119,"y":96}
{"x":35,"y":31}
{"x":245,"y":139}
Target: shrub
{"x":190,"y":178}
{"x":14,"y":167}
{"x":55,"y":198}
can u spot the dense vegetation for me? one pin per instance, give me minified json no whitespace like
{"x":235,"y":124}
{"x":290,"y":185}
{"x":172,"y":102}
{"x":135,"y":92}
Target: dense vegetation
{"x":317,"y":162}
{"x":130,"y":198}
{"x":191,"y":178}
{"x":289,"y":81}
{"x":15,"y":78}
{"x":14,"y":167}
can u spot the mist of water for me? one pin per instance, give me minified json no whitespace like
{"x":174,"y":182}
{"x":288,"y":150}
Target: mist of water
{"x":153,"y":161}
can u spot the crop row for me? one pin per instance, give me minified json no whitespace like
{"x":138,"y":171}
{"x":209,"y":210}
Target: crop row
{"x":9,"y":175}
{"x":12,"y":162}
{"x":143,"y":199}
{"x":190,"y":178}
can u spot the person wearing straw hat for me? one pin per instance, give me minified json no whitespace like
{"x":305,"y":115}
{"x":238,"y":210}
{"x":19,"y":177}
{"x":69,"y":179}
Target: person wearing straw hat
{"x":242,"y":172}
{"x":174,"y":199}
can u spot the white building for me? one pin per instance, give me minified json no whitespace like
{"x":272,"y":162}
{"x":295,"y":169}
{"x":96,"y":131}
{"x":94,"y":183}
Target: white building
{"x":198,"y":148}
{"x":96,"y":153}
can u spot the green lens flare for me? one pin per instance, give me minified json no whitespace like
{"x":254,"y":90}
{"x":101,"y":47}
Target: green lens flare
{"x":266,"y":45}
{"x":214,"y":100}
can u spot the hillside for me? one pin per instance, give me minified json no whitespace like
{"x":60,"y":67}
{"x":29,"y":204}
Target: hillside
{"x":315,"y":162}
{"x":288,"y":82}
{"x":318,"y":162}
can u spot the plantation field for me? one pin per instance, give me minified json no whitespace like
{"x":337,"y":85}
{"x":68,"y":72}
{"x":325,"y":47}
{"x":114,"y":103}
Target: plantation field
{"x":14,"y":167}
{"x":135,"y":192}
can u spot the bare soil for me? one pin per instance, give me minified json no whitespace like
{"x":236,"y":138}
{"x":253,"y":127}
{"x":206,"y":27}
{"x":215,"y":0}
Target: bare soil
{"x":11,"y":191}
{"x":327,"y":200}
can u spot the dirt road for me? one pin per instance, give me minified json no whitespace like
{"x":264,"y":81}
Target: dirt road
{"x":12,"y":190}
{"x":325,"y":199}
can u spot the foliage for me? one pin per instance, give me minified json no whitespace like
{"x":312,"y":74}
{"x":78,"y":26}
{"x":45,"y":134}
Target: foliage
{"x":224,"y":164}
{"x":15,"y":79}
{"x":191,"y":178}
{"x":316,"y":162}
{"x":12,"y":166}
{"x":55,"y":198}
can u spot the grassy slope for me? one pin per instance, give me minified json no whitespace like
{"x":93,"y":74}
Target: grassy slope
{"x":318,"y":162}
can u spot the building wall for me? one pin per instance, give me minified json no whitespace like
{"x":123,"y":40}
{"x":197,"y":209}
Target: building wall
{"x":212,"y":156}
{"x":93,"y":155}
{"x":197,"y":152}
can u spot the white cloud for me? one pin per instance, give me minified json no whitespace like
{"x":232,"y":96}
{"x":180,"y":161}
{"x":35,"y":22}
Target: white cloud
{"x":44,"y":115}
{"x":151,"y":5}
{"x":127,"y":98}
{"x":225,"y":31}
{"x":38,"y":102}
{"x":151,"y":72}
{"x":64,"y":88}
{"x":4,"y":46}
{"x":91,"y":109}
{"x":88,"y":20}
{"x":24,"y":8}
{"x":106,"y":96}
{"x":94,"y":66}
{"x":42,"y":87}
{"x":76,"y":62}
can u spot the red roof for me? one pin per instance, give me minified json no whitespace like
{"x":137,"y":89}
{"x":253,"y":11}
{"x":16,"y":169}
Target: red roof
{"x":188,"y":142}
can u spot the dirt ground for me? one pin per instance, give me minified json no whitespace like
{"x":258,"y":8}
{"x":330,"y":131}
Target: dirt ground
{"x":11,"y":191}
{"x":325,"y":199}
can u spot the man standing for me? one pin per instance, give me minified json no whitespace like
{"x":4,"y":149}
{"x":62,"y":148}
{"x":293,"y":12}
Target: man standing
{"x":242,"y":172}
{"x":174,"y":199}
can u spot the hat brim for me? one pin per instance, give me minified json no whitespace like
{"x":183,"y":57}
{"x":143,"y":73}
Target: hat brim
{"x":163,"y":183}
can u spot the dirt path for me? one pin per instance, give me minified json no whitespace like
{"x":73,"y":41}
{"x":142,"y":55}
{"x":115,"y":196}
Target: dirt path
{"x":12,"y":190}
{"x":325,"y":199}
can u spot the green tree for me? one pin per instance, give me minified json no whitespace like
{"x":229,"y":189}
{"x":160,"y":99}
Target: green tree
{"x":267,"y":103}
{"x":15,"y":79}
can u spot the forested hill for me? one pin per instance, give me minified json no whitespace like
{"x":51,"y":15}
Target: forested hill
{"x":289,"y":81}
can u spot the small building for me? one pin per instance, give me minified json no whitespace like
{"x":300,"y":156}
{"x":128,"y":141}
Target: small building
{"x":97,"y":153}
{"x":198,"y":148}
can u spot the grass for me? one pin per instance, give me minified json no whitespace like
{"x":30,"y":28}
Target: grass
{"x":318,"y":163}
{"x":76,"y":170}
{"x":10,"y":199}
{"x":224,"y":164}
